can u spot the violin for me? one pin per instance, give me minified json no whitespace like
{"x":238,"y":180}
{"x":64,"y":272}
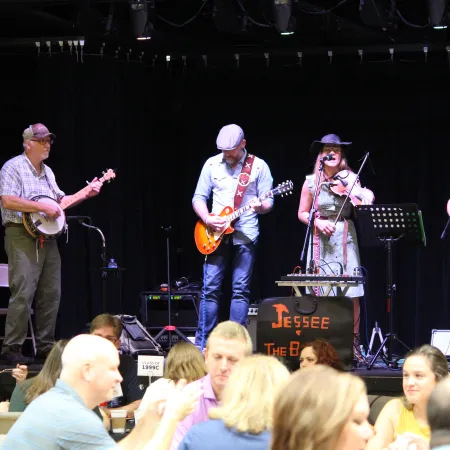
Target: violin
{"x":343,"y":182}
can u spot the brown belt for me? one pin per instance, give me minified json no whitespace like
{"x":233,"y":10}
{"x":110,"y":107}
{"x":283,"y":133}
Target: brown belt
{"x":13,"y":224}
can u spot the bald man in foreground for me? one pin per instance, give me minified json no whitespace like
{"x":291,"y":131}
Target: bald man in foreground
{"x":438,"y":413}
{"x":62,"y":418}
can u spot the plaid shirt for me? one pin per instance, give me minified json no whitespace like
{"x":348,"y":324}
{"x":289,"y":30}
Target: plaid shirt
{"x":18,"y":177}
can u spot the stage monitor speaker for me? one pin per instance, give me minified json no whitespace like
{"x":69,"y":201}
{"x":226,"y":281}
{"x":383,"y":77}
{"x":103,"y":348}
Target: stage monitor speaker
{"x":285,"y":324}
{"x":184,"y":309}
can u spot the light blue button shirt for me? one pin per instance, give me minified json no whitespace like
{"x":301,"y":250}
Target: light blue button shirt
{"x":221,"y":179}
{"x":58,"y":420}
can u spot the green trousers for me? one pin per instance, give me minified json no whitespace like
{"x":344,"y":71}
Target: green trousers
{"x":33,"y":275}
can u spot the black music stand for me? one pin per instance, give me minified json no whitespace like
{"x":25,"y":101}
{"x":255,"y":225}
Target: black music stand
{"x":387,"y":224}
{"x":169,"y":328}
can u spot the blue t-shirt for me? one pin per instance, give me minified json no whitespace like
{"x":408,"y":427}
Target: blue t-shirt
{"x":58,"y":420}
{"x":214,"y":434}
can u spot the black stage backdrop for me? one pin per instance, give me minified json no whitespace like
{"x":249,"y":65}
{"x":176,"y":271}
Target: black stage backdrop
{"x":158,"y":126}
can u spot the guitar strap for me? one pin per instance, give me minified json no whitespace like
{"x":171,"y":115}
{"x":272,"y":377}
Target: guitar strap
{"x":243,"y":180}
{"x":57,"y":197}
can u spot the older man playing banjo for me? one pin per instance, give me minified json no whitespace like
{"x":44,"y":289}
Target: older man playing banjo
{"x":34,"y":262}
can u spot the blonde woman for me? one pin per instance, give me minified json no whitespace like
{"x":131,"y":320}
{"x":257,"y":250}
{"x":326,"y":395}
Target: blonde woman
{"x":403,"y":421}
{"x":334,"y":242}
{"x":184,"y":361}
{"x":244,"y":419}
{"x":321,"y":409}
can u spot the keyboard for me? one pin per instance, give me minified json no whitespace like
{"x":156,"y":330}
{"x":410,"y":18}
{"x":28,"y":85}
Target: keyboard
{"x":322,"y":278}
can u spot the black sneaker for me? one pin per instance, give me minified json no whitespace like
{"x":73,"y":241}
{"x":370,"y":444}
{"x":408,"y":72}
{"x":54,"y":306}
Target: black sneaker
{"x":15,"y":357}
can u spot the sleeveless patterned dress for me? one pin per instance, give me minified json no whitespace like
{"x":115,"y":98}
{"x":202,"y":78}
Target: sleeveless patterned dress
{"x":330,"y":251}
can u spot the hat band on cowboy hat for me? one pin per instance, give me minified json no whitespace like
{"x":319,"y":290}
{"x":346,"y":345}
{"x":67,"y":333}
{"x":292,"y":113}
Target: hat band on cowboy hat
{"x":330,"y":139}
{"x":229,"y":137}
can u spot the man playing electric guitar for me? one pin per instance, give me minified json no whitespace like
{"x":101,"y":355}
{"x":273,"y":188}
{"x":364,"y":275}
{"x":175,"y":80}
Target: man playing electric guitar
{"x":234,"y":177}
{"x":34,"y":269}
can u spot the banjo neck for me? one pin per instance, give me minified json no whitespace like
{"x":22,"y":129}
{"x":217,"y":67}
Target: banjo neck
{"x":82,"y":193}
{"x":68,"y":201}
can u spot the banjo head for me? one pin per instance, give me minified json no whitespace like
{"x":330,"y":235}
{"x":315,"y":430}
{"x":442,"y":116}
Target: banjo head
{"x":41,"y":225}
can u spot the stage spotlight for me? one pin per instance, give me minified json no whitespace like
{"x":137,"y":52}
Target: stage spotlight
{"x":284,"y":21}
{"x":139,"y":16}
{"x":437,"y":14}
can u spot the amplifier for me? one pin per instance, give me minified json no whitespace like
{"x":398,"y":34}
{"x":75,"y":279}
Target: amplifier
{"x":184,"y":308}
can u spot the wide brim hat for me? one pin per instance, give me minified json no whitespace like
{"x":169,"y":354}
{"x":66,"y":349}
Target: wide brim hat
{"x":334,"y":139}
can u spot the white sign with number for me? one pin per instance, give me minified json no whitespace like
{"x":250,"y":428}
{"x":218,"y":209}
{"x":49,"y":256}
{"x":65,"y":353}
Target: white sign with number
{"x":117,"y":391}
{"x":150,"y":365}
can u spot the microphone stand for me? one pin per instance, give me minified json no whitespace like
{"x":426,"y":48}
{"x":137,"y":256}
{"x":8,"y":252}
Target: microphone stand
{"x":103,"y":254}
{"x":105,"y":269}
{"x":312,"y":212}
{"x":169,"y":328}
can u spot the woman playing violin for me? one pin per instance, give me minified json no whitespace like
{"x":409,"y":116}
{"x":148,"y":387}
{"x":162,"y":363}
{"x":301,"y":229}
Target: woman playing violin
{"x":335,"y":245}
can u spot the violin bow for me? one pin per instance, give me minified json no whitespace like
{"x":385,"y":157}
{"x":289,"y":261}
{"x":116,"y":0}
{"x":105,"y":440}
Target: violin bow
{"x":350,"y":191}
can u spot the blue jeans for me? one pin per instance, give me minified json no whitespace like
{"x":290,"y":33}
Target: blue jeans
{"x":242,"y":257}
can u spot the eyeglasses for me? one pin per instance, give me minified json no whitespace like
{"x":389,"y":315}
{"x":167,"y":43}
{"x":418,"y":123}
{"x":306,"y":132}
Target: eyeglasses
{"x":112,"y":339}
{"x":43,"y":142}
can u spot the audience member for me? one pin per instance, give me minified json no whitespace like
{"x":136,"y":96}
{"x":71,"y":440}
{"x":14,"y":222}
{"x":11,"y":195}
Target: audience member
{"x":243,"y":420}
{"x":184,"y":361}
{"x":129,"y":395}
{"x":228,"y":343}
{"x":438,"y":414}
{"x":32,"y":388}
{"x":422,"y":369}
{"x":321,"y":409}
{"x":320,"y":352}
{"x":20,"y":373}
{"x":62,"y":418}
{"x":25,"y":392}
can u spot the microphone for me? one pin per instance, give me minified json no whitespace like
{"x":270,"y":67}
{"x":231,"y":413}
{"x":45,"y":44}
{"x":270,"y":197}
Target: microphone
{"x":79,"y":218}
{"x":329,"y":157}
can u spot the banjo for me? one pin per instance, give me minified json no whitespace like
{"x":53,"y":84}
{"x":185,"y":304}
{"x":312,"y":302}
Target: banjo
{"x":42,"y":227}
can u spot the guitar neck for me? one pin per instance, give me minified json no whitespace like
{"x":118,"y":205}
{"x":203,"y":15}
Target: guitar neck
{"x":238,"y":213}
{"x":80,"y":195}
